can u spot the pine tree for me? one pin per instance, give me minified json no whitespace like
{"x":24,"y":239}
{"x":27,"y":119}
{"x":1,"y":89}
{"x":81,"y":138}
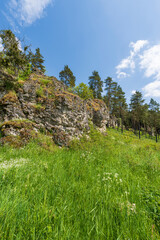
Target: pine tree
{"x":12,"y":56}
{"x":108,"y":87}
{"x":136,"y":107}
{"x":114,"y":99}
{"x":37,"y":60}
{"x":67,"y":77}
{"x":96,"y":85}
{"x":120,"y":108}
{"x":145,"y":117}
{"x":113,"y":95}
{"x":154,"y":116}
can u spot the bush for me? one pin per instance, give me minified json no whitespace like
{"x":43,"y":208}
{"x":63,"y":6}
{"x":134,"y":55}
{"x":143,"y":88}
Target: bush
{"x":83,"y":91}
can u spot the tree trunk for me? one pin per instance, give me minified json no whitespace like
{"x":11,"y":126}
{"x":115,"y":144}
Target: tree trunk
{"x":139,"y":132}
{"x":121,"y":125}
{"x":156,"y":136}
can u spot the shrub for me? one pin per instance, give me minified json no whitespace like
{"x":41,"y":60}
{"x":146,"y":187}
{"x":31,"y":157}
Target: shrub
{"x":83,"y":91}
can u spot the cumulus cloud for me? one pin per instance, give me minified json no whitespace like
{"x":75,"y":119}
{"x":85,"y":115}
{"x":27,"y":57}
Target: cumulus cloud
{"x":145,"y":57}
{"x":137,"y":46}
{"x":152,"y":89}
{"x":28,"y":11}
{"x":124,"y":64}
{"x":150,"y":62}
{"x":129,"y":62}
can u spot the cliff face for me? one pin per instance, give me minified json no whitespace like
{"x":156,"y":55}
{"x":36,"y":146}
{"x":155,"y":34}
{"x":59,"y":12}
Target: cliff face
{"x":43,"y":103}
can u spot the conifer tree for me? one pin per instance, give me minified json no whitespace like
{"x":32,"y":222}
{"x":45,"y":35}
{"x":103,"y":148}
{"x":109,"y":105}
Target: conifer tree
{"x":12,"y":56}
{"x":145,"y":117}
{"x":136,"y":107}
{"x":37,"y":60}
{"x":67,"y":77}
{"x":154,"y":115}
{"x":96,"y":85}
{"x":114,"y":99}
{"x":108,"y":88}
{"x":120,"y":107}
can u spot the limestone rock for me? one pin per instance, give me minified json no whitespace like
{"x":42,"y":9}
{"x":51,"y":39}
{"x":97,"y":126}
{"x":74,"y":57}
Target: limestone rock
{"x":46,"y":103}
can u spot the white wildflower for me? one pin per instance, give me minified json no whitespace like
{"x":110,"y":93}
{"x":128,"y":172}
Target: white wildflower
{"x":13,"y":163}
{"x":116,"y":175}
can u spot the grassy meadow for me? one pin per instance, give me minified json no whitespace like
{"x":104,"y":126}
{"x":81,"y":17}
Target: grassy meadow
{"x":105,"y":187}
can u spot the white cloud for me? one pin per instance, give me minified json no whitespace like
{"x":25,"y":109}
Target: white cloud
{"x":28,"y":11}
{"x":129,"y":62}
{"x":147,"y":58}
{"x":152,"y":89}
{"x":126,"y":63}
{"x":150,"y":62}
{"x":137,"y":46}
{"x":122,"y":75}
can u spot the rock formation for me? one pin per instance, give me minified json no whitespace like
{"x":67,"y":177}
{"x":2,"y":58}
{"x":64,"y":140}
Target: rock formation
{"x":43,"y":103}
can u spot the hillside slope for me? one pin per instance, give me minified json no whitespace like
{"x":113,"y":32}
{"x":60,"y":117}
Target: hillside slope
{"x":105,"y":187}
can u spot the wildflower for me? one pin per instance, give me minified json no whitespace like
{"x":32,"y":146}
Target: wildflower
{"x":116,"y":175}
{"x":133,"y":208}
{"x":107,"y":179}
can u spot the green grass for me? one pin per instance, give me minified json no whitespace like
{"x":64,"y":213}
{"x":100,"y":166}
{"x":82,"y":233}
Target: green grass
{"x":103,"y":188}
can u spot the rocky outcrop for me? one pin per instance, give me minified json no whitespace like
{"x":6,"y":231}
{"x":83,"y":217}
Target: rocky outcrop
{"x":46,"y":103}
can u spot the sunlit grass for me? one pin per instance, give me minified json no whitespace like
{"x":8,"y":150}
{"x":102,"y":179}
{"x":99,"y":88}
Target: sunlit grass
{"x":103,"y":188}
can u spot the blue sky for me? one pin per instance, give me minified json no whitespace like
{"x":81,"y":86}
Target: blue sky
{"x":118,"y":38}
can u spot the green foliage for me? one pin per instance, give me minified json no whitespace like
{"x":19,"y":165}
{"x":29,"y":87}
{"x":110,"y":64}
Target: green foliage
{"x":37,"y":61}
{"x":9,"y":85}
{"x":67,"y":77}
{"x":23,"y":75}
{"x":12,"y":56}
{"x":45,"y":81}
{"x":137,"y":108}
{"x":136,"y":101}
{"x":96,"y":85}
{"x":115,"y":98}
{"x":109,"y":88}
{"x":154,"y":115}
{"x":40,"y":92}
{"x":17,"y":61}
{"x":83,"y":91}
{"x":105,"y":190}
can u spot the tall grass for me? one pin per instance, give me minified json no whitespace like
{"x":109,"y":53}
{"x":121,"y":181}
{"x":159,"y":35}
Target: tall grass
{"x":103,"y":188}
